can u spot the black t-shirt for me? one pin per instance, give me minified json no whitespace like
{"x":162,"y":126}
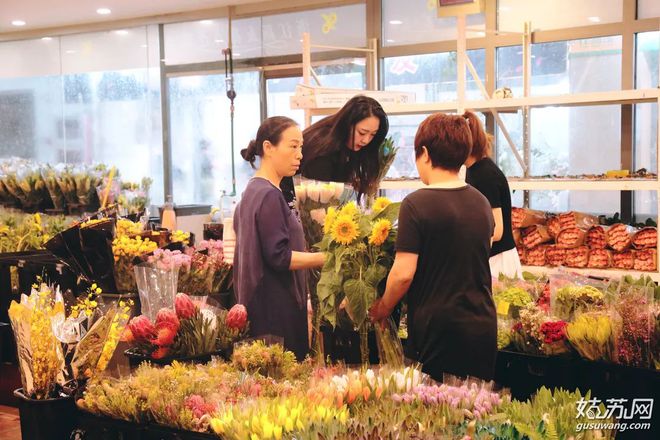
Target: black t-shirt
{"x":452,"y":321}
{"x":485,"y":176}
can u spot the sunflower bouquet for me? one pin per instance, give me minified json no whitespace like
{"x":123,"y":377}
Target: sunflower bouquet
{"x":360,"y":250}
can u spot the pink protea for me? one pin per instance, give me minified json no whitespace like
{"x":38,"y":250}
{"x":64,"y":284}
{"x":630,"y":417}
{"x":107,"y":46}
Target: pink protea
{"x":167,"y":318}
{"x":237,"y":317}
{"x":185,"y":308}
{"x":142,"y":329}
{"x":160,"y":353}
{"x":164,"y":337}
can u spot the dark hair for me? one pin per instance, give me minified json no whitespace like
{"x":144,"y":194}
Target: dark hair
{"x":335,"y":132}
{"x":270,"y":130}
{"x":481,"y":141}
{"x":447,"y":139}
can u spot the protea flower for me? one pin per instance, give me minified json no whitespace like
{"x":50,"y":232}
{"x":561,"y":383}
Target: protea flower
{"x":167,"y":318}
{"x":164,"y":337}
{"x":237,"y":317}
{"x":160,"y":353}
{"x":185,"y":308}
{"x":142,"y":329}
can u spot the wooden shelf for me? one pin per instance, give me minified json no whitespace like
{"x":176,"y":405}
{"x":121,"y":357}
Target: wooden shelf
{"x":551,"y":185}
{"x":600,"y":273}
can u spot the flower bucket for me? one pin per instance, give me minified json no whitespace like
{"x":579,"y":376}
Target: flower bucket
{"x":46,"y":419}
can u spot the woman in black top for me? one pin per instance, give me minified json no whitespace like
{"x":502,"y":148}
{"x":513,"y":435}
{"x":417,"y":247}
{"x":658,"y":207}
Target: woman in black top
{"x":344,"y":147}
{"x":442,"y":250}
{"x":484,"y":175}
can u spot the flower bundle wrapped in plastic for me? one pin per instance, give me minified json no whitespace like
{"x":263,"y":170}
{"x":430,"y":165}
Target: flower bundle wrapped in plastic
{"x":574,"y":294}
{"x":592,"y":335}
{"x":125,"y":249}
{"x":208,"y":272}
{"x":635,"y":324}
{"x":134,"y":198}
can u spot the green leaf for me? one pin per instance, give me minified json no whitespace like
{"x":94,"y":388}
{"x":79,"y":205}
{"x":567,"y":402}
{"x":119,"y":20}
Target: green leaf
{"x":375,"y":274}
{"x":390,"y":213}
{"x":324,"y":244}
{"x":364,"y":226}
{"x":328,"y":288}
{"x":360,"y":296}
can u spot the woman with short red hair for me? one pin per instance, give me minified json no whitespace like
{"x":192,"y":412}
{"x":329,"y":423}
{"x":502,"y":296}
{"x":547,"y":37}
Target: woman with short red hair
{"x":442,"y":251}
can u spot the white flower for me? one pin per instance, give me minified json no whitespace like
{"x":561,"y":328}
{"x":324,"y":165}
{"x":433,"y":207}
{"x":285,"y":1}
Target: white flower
{"x":301,"y":192}
{"x":371,"y":378}
{"x":314,"y":192}
{"x":209,"y":316}
{"x":327,"y":192}
{"x":318,"y":215}
{"x":339,"y":189}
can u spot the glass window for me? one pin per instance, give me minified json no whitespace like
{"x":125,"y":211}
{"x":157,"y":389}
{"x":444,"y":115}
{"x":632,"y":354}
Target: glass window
{"x":349,"y":74}
{"x":648,"y":9}
{"x":512,"y":14}
{"x":201,"y":136}
{"x":432,"y":78}
{"x":281,"y":34}
{"x":417,"y":21}
{"x":90,"y":98}
{"x":195,"y":41}
{"x":594,"y":202}
{"x":646,"y":118}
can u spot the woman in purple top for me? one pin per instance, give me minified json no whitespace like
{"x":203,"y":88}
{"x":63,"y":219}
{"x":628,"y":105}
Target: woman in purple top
{"x":270,"y":257}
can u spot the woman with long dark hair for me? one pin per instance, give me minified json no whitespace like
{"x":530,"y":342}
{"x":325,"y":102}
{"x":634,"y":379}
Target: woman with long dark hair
{"x":344,"y":147}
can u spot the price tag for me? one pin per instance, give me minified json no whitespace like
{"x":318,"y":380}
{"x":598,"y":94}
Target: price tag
{"x":502,"y":307}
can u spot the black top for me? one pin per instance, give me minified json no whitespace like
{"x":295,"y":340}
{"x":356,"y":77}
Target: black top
{"x":485,"y":176}
{"x":451,"y":316}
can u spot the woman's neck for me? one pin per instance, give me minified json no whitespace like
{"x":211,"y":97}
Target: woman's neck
{"x":268,"y":173}
{"x":439,"y":176}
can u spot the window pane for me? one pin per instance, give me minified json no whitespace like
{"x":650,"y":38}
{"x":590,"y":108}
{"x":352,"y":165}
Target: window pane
{"x":432,"y":77}
{"x":30,"y":58}
{"x":281,"y":34}
{"x":594,"y":202}
{"x":195,"y":41}
{"x":348,"y":74}
{"x":558,"y":68}
{"x":201,"y":141}
{"x":648,"y":9}
{"x":416,"y":21}
{"x":646,"y":118}
{"x":512,"y":14}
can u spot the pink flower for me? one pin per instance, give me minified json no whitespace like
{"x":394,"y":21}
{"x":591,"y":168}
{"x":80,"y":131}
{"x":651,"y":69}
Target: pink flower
{"x":164,"y":337}
{"x":167,"y":318}
{"x":237,"y":317}
{"x":185,"y":308}
{"x":142,"y":329}
{"x":160,"y":353}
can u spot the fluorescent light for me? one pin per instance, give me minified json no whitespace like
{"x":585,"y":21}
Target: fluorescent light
{"x":103,"y":11}
{"x":47,"y":38}
{"x":206,"y":22}
{"x":18,"y":23}
{"x":396,"y":22}
{"x":121,"y":32}
{"x":594,"y":19}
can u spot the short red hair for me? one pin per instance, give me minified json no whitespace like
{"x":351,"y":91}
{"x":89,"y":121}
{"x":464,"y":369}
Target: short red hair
{"x":447,"y":139}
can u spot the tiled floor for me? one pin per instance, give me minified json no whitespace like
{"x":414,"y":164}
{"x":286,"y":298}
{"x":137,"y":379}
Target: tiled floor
{"x":10,"y":428}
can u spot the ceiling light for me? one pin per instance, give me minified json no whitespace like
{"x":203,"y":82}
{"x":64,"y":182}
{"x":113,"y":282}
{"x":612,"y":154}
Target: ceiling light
{"x":594,"y":19}
{"x":103,"y":11}
{"x":121,"y":32}
{"x":47,"y":38}
{"x":18,"y":23}
{"x":396,"y":22}
{"x":389,"y":40}
{"x":206,"y":22}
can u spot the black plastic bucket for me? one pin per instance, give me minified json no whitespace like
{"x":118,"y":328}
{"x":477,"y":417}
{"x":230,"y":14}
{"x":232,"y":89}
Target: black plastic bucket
{"x":46,"y":419}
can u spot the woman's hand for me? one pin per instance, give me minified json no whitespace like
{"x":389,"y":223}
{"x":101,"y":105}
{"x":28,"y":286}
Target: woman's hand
{"x":379,"y":311}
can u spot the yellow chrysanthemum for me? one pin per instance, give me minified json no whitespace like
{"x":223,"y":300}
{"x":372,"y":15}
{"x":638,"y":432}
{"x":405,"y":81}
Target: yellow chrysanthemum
{"x":381,"y":203}
{"x":330,"y":218}
{"x":344,"y":229}
{"x":349,"y":209}
{"x":380,"y":231}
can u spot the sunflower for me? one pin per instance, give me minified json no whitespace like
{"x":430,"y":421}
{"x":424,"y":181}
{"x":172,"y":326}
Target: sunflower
{"x":344,"y":229}
{"x":381,"y":203}
{"x":349,"y":209}
{"x":330,"y":218}
{"x":380,"y":230}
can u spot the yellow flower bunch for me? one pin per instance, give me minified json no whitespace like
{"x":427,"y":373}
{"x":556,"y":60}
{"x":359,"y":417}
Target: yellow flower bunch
{"x":381,"y":203}
{"x":344,"y":229}
{"x":330,"y":218}
{"x":132,"y":247}
{"x":350,"y":209}
{"x":117,"y":327}
{"x":88,"y":303}
{"x":591,"y":334}
{"x":127,"y":227}
{"x":180,"y":236}
{"x":380,"y":230}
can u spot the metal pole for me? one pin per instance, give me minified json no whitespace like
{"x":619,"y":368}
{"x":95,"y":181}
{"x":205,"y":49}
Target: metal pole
{"x":526,"y":112}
